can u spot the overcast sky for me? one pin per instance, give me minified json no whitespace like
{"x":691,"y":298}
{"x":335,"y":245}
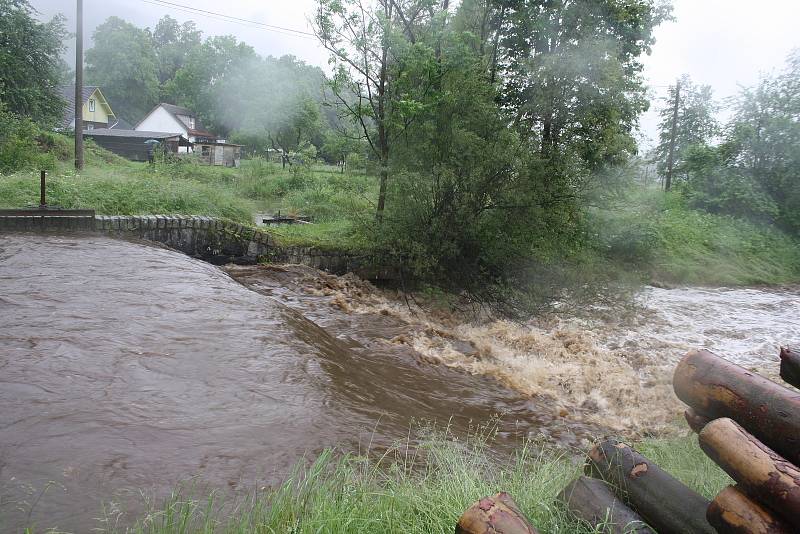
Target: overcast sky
{"x":722,"y":43}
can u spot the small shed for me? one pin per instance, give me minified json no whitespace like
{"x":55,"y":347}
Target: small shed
{"x":131,"y":144}
{"x":227,"y":154}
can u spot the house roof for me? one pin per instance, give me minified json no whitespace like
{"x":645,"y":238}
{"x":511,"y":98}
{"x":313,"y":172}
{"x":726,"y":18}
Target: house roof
{"x":68,"y":94}
{"x":174,"y":110}
{"x":116,"y":132}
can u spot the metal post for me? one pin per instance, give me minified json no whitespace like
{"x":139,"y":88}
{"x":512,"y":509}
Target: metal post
{"x":79,"y":87}
{"x":42,"y":195}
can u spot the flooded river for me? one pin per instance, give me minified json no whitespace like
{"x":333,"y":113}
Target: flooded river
{"x":128,"y":368}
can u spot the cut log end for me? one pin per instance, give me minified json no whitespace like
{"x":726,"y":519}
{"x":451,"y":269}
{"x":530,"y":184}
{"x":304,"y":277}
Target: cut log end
{"x":495,"y":514}
{"x":734,"y":512}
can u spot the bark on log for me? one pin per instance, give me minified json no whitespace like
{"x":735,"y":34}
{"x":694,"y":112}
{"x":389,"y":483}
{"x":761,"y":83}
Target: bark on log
{"x":717,"y":388}
{"x":790,"y":366}
{"x":594,"y":502}
{"x":663,"y":502}
{"x":733,"y":512}
{"x":498,"y":514}
{"x":696,"y":421}
{"x":759,"y":471}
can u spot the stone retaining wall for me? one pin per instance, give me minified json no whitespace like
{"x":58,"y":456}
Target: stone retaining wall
{"x":214,"y":240}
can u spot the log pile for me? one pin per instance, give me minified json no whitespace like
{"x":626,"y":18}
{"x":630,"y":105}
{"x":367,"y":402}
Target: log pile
{"x":747,"y":424}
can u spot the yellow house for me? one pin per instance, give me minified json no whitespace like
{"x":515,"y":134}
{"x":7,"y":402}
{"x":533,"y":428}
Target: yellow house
{"x":97,"y":113}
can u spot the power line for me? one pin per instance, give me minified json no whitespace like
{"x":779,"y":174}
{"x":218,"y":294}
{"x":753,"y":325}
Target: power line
{"x":236,"y":20}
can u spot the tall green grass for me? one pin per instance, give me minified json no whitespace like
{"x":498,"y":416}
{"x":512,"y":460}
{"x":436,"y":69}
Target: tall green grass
{"x":413,"y":490}
{"x":666,"y":241}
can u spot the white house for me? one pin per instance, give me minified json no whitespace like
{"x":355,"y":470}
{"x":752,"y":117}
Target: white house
{"x":171,"y":118}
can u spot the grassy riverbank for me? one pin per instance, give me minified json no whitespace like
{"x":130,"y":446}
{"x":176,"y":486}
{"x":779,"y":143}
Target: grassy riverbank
{"x":422,"y":490}
{"x":647,"y":235}
{"x":661,"y":238}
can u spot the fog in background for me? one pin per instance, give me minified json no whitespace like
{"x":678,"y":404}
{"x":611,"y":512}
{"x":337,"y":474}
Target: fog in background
{"x":722,"y":43}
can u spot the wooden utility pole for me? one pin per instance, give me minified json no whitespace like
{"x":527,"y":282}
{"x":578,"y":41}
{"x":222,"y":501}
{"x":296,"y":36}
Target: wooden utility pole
{"x":673,"y":136}
{"x":79,"y":88}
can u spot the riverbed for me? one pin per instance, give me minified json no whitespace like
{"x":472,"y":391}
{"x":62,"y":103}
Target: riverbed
{"x":127,"y":369}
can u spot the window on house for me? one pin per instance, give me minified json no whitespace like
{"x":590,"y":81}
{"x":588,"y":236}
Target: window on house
{"x":91,"y":104}
{"x":191,"y":122}
{"x":206,"y":151}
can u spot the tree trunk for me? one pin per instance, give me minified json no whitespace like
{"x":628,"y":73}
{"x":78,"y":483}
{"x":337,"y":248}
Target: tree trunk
{"x":790,"y":366}
{"x":593,"y":501}
{"x":696,"y":421}
{"x":383,"y":136}
{"x":717,"y":388}
{"x":665,"y":503}
{"x":732,"y":512}
{"x":759,"y":471}
{"x":494,"y":515}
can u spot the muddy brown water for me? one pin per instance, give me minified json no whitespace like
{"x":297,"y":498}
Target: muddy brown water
{"x":127,"y":368}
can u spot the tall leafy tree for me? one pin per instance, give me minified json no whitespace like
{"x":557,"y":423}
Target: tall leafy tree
{"x":696,"y":122}
{"x":571,"y":73}
{"x":30,"y":56}
{"x":123,"y":62}
{"x":174,"y":43}
{"x":202,"y":83}
{"x":763,"y":139}
{"x":358,"y":38}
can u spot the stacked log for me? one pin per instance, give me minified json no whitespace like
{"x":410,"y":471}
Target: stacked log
{"x":733,"y":511}
{"x":747,"y":424}
{"x":665,"y":503}
{"x":593,"y":501}
{"x":750,"y":427}
{"x":496,"y":514}
{"x":790,"y":366}
{"x":714,"y":388}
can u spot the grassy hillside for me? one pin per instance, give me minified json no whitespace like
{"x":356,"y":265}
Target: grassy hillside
{"x":658,"y":236}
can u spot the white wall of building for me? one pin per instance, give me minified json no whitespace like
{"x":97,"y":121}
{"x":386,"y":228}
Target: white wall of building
{"x":161,"y":121}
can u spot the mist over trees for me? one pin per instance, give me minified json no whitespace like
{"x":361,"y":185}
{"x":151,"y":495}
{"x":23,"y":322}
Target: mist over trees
{"x":263,"y":102}
{"x":748,"y":167}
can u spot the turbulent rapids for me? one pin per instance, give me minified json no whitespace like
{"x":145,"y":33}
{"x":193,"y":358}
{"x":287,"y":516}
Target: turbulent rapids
{"x":127,"y":368}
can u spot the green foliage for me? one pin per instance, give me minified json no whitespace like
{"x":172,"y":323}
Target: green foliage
{"x":123,"y":62}
{"x":570,"y":74}
{"x":23,"y":145}
{"x":695,"y":128}
{"x":30,"y":55}
{"x":712,"y":186}
{"x":416,"y":489}
{"x":665,"y":240}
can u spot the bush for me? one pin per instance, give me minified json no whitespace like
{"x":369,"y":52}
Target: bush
{"x":19,"y":145}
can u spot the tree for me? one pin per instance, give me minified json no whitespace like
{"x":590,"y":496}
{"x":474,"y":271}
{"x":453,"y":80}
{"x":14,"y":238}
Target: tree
{"x":204,"y":81}
{"x":571,"y":74}
{"x":123,"y":62}
{"x":358,"y":39}
{"x":30,"y":55}
{"x":695,"y":124}
{"x":173,"y":44}
{"x":762,"y":139}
